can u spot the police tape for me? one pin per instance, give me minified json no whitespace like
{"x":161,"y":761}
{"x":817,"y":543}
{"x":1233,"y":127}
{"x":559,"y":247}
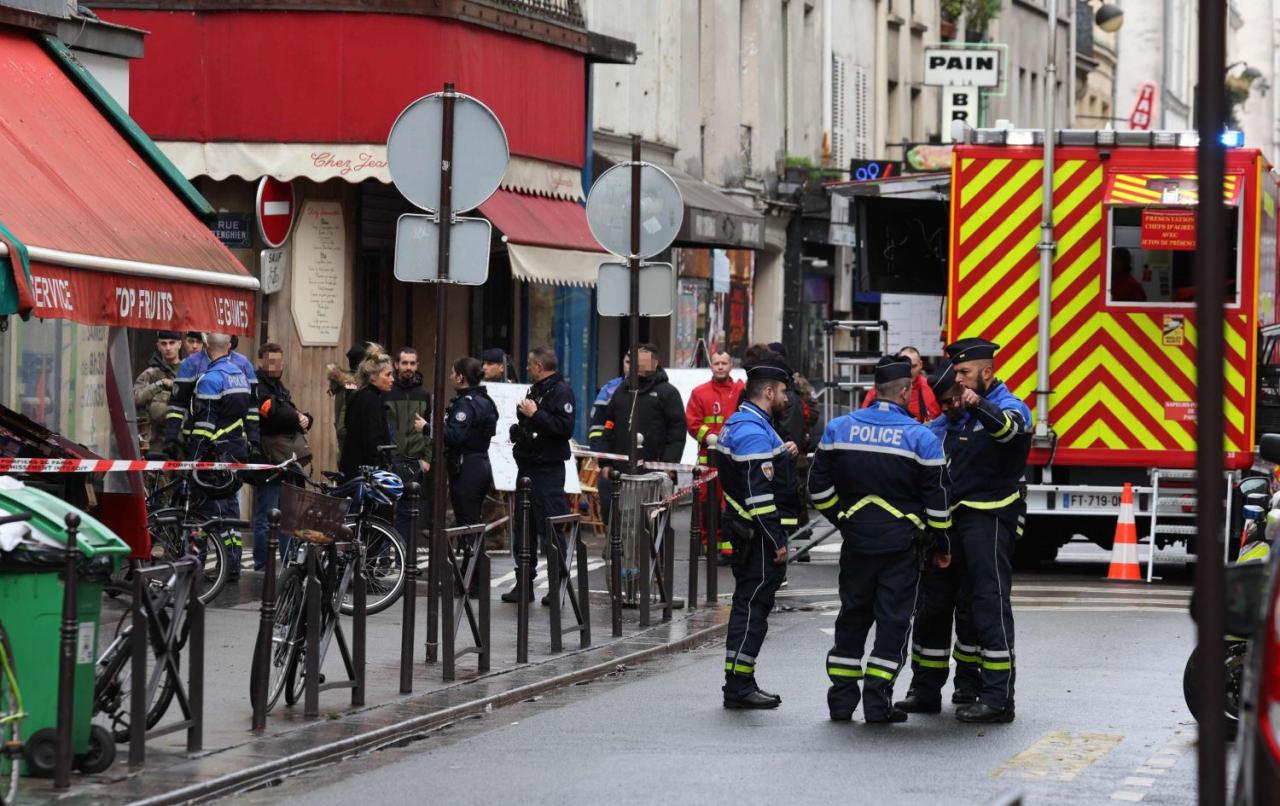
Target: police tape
{"x":620,"y":457}
{"x":30,"y":465}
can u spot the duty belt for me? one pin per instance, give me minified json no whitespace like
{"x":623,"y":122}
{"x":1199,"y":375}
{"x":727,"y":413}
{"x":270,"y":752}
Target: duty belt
{"x":997,"y":504}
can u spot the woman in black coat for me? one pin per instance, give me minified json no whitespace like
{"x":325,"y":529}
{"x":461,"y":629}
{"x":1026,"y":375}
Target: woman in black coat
{"x":366,"y":417}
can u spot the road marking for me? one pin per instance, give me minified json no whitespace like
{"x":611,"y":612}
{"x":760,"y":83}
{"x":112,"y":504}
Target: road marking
{"x":1135,"y":781}
{"x":1097,"y":609}
{"x":1126,"y":795}
{"x":1058,"y":756}
{"x":1037,"y":587}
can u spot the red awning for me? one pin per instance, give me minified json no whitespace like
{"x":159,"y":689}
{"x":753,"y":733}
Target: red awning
{"x":539,"y":221}
{"x":548,"y":240}
{"x":109,"y":243}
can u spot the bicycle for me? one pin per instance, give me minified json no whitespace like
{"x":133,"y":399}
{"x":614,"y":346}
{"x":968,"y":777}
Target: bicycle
{"x":175,"y":533}
{"x":11,"y":716}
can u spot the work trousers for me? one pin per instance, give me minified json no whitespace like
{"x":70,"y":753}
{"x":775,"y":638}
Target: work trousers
{"x":467,"y":489}
{"x":987,"y":537}
{"x":546,"y":500}
{"x":757,"y":579}
{"x":944,"y":592}
{"x":875,"y":589}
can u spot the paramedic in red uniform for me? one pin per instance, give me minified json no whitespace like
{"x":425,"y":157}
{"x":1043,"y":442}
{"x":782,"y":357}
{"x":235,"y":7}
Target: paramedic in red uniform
{"x":709,"y":406}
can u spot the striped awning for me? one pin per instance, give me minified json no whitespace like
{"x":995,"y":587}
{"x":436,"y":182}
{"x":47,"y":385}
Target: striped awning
{"x":1166,"y":189}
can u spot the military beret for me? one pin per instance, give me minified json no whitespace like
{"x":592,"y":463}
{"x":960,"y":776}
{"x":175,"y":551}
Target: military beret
{"x":778,"y":347}
{"x":892,"y":368}
{"x":493,"y":355}
{"x":942,"y":379}
{"x":169,"y":334}
{"x":769,"y":368}
{"x":971,"y":350}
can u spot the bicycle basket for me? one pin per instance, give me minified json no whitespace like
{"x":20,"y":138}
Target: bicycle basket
{"x":311,"y":516}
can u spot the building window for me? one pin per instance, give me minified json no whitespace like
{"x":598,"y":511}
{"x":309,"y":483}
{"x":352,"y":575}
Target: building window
{"x":744,"y":143}
{"x":861,"y":112}
{"x":1137,"y":275}
{"x":839,"y":90}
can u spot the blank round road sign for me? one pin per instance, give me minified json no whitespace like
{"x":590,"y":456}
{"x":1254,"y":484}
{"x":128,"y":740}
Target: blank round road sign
{"x":609,"y":210}
{"x":480,"y":152}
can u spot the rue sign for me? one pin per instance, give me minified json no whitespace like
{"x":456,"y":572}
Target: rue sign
{"x":970,"y":67}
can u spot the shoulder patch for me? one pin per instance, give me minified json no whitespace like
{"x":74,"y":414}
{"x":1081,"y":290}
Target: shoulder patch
{"x":460,"y":416}
{"x":568,"y":408}
{"x":767,"y":469}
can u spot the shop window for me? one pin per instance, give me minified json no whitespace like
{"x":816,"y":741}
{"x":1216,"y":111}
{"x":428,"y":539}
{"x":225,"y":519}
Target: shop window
{"x":55,"y":373}
{"x":542,"y":314}
{"x":1152,"y":256}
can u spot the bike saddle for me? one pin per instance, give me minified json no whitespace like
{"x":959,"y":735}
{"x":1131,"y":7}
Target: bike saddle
{"x":332,"y":475}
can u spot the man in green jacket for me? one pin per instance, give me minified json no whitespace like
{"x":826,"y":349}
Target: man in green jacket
{"x":407,"y":403}
{"x":154,"y":385}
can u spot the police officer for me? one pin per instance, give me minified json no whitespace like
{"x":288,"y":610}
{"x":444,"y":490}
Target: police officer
{"x":943,"y":591}
{"x":540,"y":436}
{"x":469,"y":425}
{"x":220,"y":427}
{"x":757,"y":473}
{"x":184,"y":383}
{"x":988,"y":455}
{"x":879,"y":475}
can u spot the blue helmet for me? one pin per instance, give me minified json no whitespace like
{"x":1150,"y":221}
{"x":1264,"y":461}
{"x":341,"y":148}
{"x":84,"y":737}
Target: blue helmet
{"x":387,"y":487}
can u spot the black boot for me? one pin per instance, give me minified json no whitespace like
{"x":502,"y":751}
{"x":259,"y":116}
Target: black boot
{"x":960,"y":697}
{"x":752,"y":700}
{"x":983,"y":713}
{"x":893,"y":716}
{"x":917,"y":702}
{"x":513,"y":596}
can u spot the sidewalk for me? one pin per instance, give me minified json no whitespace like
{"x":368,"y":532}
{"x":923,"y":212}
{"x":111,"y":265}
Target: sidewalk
{"x":234,"y":758}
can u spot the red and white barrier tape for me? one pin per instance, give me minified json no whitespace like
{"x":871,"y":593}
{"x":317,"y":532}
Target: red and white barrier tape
{"x":37,"y":465}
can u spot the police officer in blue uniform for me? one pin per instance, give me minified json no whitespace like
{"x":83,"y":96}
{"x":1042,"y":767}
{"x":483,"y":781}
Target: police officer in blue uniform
{"x":469,"y":424}
{"x":757,"y":474}
{"x":987,"y":449}
{"x":540,"y":436}
{"x":220,"y":428}
{"x":879,"y":475}
{"x":943,"y":592}
{"x":176,"y":436}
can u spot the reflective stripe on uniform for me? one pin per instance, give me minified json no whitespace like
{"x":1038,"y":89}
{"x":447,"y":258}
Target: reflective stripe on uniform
{"x":750,"y":514}
{"x":702,"y":433}
{"x":838,"y":666}
{"x":886,"y":506}
{"x":926,"y":651}
{"x":929,"y":663}
{"x":215,"y":435}
{"x":997,"y":659}
{"x":738,"y":668}
{"x":1003,"y":502}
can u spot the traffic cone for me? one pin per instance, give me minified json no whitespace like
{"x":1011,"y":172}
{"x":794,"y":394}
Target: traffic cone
{"x":1124,"y":549}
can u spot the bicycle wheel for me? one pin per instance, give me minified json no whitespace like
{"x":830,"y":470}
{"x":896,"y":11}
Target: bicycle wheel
{"x":286,"y":632}
{"x":113,"y":685}
{"x":169,"y":543}
{"x":384,"y":565}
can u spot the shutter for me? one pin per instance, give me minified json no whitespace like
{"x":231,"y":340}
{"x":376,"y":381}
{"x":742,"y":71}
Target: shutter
{"x":860,"y":93}
{"x":839,"y":92}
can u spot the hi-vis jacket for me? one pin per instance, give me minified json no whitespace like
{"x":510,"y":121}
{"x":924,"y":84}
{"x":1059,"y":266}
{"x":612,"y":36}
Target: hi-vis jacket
{"x":219,"y":417}
{"x":758,"y":475}
{"x":710,"y":405}
{"x":987,"y":449}
{"x":177,"y":423}
{"x":879,"y":476}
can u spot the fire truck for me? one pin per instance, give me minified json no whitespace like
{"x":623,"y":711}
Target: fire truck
{"x":1122,"y":330}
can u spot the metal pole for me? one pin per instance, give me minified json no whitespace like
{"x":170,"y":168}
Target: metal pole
{"x":439,"y":495}
{"x":482,"y":568}
{"x":67,"y":658}
{"x":584,"y":596}
{"x":195,"y":660}
{"x":410,"y":592}
{"x":524,"y":569}
{"x":713,"y":523}
{"x":266,"y":623}
{"x":448,"y":628}
{"x":553,"y":584}
{"x":1047,"y":245}
{"x":138,"y":646}
{"x":359,"y":630}
{"x":311,"y":665}
{"x":615,"y":551}
{"x":633,"y":372}
{"x":696,"y":513}
{"x":1211,"y":246}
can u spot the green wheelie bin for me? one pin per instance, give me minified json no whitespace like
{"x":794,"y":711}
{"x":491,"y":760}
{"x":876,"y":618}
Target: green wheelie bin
{"x":31,"y":592}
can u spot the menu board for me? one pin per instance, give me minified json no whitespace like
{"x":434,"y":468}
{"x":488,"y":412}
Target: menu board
{"x":319,"y":267}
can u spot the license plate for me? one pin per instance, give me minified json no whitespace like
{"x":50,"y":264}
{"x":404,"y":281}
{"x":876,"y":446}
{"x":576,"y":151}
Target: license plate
{"x":1110,"y":501}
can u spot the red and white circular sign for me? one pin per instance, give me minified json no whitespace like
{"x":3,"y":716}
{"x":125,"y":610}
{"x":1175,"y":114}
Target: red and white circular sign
{"x":275,"y":210}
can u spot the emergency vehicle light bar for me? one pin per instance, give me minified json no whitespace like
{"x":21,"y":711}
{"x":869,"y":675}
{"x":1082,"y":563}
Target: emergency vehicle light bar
{"x":1097,"y":137}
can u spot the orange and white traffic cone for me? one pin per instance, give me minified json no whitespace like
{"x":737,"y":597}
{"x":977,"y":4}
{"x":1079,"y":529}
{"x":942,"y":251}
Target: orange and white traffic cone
{"x":1124,"y":549}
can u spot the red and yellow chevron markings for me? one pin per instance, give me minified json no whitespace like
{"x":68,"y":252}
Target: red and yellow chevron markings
{"x":1144,"y":188}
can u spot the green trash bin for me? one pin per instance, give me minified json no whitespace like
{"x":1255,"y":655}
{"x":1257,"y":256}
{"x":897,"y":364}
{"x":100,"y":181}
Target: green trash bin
{"x":31,"y":590}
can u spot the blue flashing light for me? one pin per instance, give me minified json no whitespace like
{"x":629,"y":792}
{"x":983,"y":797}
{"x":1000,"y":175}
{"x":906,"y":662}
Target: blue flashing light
{"x":1232,"y":139}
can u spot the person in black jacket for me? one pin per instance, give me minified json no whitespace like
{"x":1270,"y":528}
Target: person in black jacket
{"x":366,"y":417}
{"x":283,"y":429}
{"x":540,"y":436}
{"x":469,"y":424}
{"x":655,"y":410}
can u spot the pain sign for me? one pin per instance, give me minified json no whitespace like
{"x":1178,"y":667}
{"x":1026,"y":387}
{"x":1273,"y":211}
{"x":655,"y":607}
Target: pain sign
{"x":970,"y":67}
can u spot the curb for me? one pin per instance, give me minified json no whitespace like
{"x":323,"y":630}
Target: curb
{"x":250,"y":777}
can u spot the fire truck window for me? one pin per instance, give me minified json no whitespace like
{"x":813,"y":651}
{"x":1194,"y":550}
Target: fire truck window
{"x":1138,"y":275}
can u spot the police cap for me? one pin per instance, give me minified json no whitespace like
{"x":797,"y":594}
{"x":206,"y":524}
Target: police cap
{"x":172,"y":335}
{"x":767,"y":368}
{"x":971,"y":350}
{"x":892,"y":368}
{"x":942,"y":379}
{"x":493,"y":355}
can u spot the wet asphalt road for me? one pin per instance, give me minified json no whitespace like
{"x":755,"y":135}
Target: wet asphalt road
{"x":1100,"y":718}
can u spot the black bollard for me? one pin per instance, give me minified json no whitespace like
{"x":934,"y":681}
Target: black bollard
{"x":138,"y":647}
{"x":712,"y":523}
{"x":446,"y":578}
{"x":262,"y":651}
{"x":584,"y":596}
{"x":644,"y":563}
{"x":524,"y":583}
{"x":695,"y":537}
{"x":410,"y":595}
{"x":615,"y":552}
{"x":195,"y":660}
{"x":311,"y":665}
{"x":554,"y":558}
{"x":486,"y":584}
{"x":668,"y":557}
{"x":359,"y":621}
{"x":67,"y":657}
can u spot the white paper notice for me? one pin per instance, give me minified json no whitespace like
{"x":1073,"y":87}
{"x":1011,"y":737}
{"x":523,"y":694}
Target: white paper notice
{"x":506,"y":396}
{"x":914,"y":320}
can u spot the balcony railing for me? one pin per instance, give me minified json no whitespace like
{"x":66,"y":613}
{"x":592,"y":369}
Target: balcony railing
{"x":568,"y":12}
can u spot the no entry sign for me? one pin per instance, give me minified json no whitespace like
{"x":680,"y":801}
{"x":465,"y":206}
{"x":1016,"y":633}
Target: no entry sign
{"x":275,"y":210}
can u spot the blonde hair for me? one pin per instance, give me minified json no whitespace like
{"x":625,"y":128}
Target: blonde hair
{"x":375,"y":360}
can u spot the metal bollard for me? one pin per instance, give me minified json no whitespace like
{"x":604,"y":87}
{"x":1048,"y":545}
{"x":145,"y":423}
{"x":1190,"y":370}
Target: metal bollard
{"x":712,"y":523}
{"x":435,"y":570}
{"x":359,"y":622}
{"x":311,"y":668}
{"x":67,"y":657}
{"x":195,"y":661}
{"x":644,"y":563}
{"x":668,"y":557}
{"x":584,"y":596}
{"x":615,"y":552}
{"x":263,"y":649}
{"x":523,"y":570}
{"x":446,"y":581}
{"x":695,"y":536}
{"x":138,"y":646}
{"x":554,"y":558}
{"x":486,"y":591}
{"x":410,"y":595}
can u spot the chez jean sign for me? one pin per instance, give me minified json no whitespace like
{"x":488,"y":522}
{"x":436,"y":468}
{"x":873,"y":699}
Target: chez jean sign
{"x":363,"y":162}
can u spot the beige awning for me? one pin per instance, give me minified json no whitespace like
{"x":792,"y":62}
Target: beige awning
{"x":351,"y":162}
{"x":539,"y":264}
